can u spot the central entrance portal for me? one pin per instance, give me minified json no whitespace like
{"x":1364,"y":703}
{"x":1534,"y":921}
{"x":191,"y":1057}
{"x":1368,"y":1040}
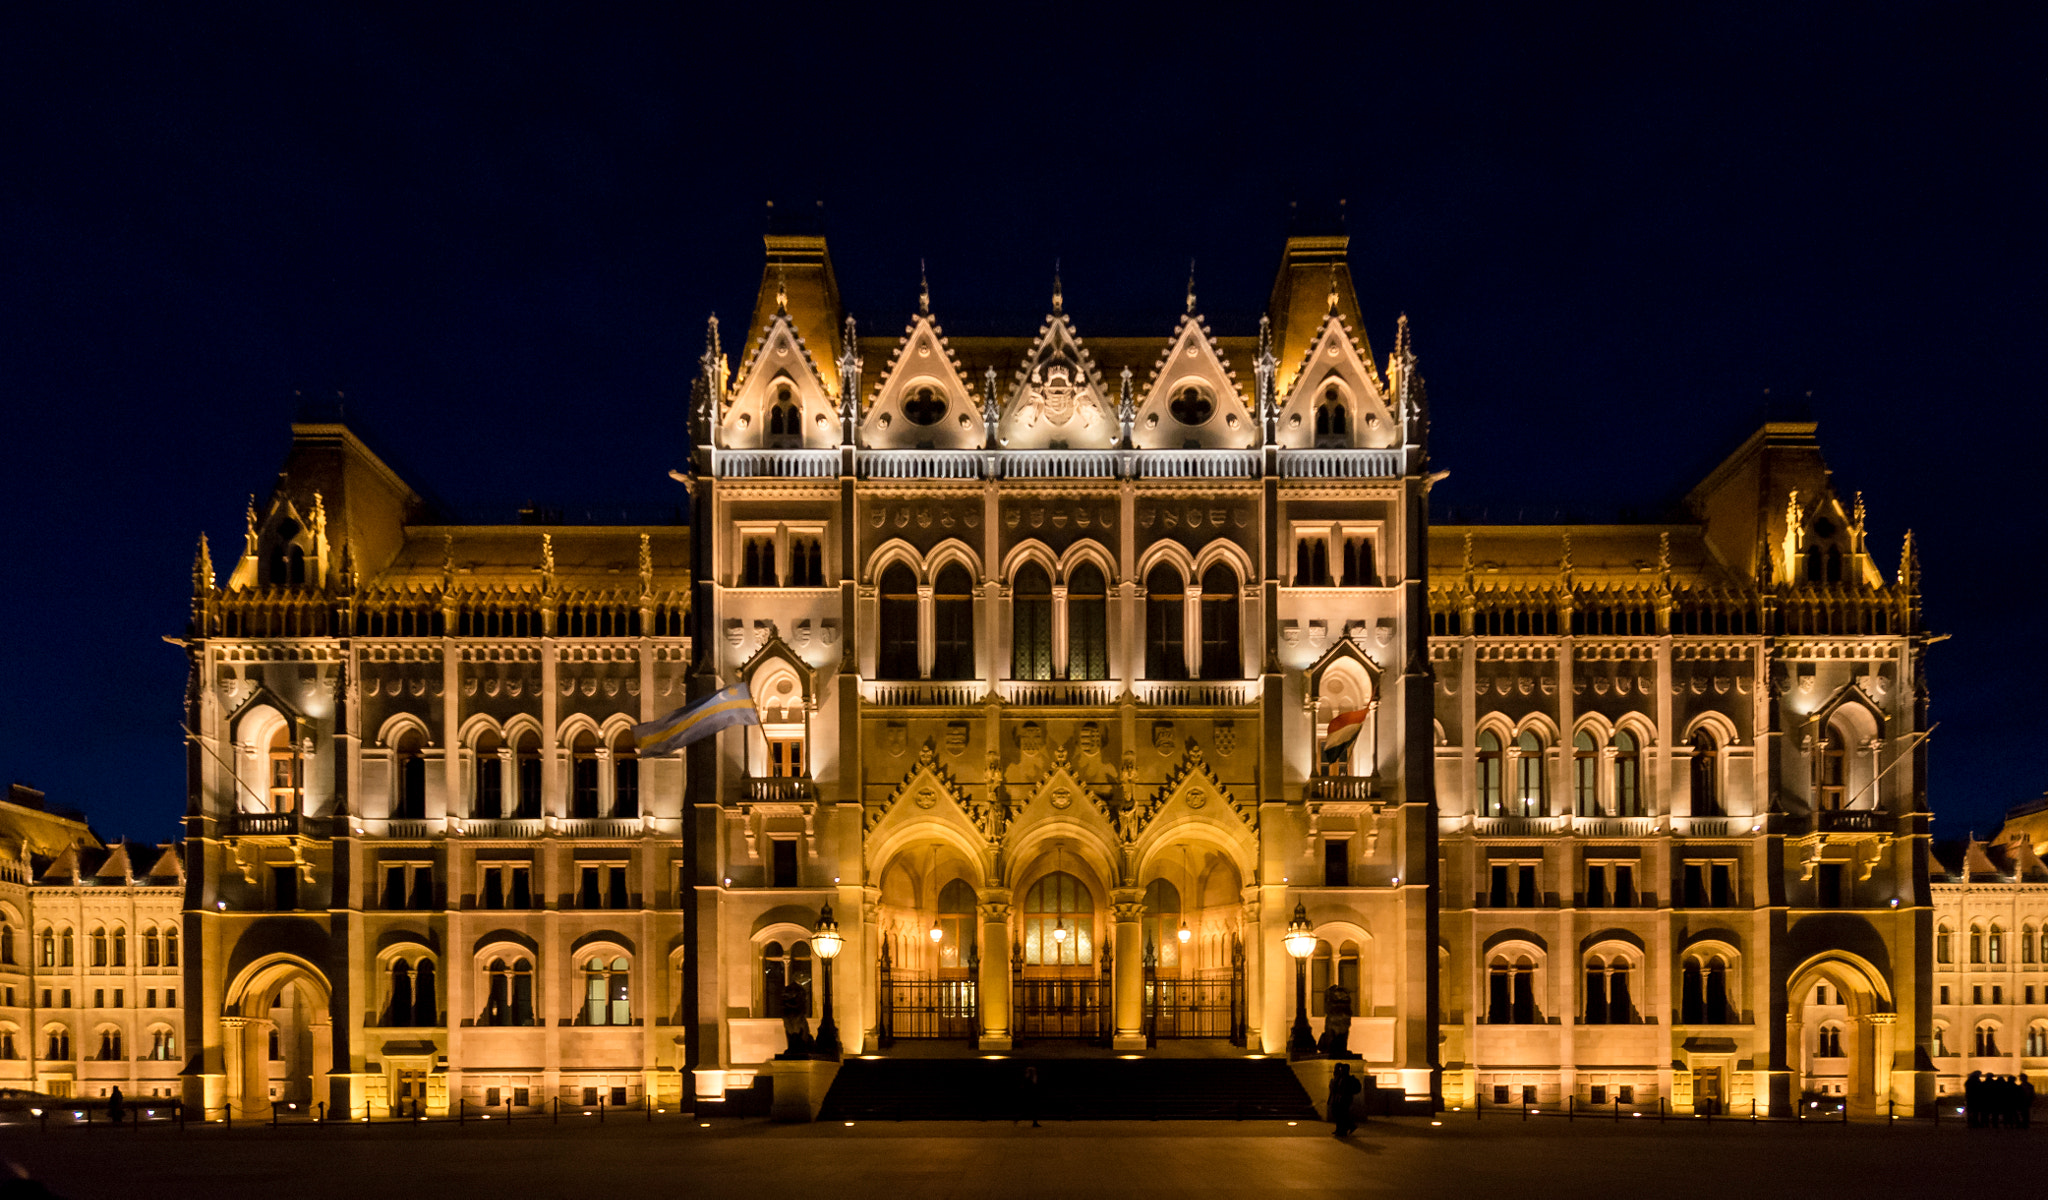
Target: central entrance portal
{"x":1061,"y":986}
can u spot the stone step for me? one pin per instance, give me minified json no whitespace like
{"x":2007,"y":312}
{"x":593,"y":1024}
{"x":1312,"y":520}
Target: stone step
{"x":1067,"y":1089}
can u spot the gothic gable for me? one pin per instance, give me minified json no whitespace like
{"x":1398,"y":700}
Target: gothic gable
{"x":923,"y":400}
{"x":930,"y":791}
{"x":1061,"y":794}
{"x":1336,"y":399}
{"x":782,"y":399}
{"x":1193,"y":790}
{"x":1193,"y":400}
{"x":1059,"y":398}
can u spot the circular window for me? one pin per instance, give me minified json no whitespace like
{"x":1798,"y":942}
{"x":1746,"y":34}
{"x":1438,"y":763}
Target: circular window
{"x":1191,"y":407}
{"x":782,"y":394}
{"x":1332,"y":395}
{"x":925,"y":407}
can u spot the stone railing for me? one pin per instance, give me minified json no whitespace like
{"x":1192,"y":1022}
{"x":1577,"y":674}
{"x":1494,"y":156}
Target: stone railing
{"x":1340,"y":464}
{"x":501,"y":827}
{"x":775,"y":464}
{"x":1057,"y":691}
{"x":1341,"y":788}
{"x":600,"y":827}
{"x":920,"y":464}
{"x":250,"y":824}
{"x":1614,"y":827}
{"x":1197,"y":693}
{"x":1198,"y":464}
{"x":774,"y":790}
{"x":1058,"y":464}
{"x":928,"y":692}
{"x":1519,"y":826}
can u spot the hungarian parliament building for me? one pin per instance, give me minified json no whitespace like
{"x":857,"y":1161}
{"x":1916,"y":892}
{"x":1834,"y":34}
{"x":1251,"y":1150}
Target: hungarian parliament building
{"x":1045,"y":635}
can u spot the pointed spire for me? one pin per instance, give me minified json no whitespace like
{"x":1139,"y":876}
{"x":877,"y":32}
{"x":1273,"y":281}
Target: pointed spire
{"x":924,"y":291}
{"x":1333,"y":288}
{"x":1126,"y":406}
{"x":547,"y":562}
{"x":1401,"y":348}
{"x":646,"y":564}
{"x":781,"y":293}
{"x":1468,"y":560}
{"x":1664,"y":558}
{"x":849,"y":379}
{"x":1059,"y":300}
{"x":447,"y":563}
{"x":202,"y":569}
{"x":1191,"y":285}
{"x":1909,"y":564}
{"x":991,"y":415}
{"x":1265,"y":368}
{"x":1564,"y":563}
{"x":1857,"y":515}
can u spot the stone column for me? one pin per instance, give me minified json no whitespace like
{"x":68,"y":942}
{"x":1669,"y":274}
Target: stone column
{"x":235,"y":1051}
{"x":871,"y":961}
{"x":1127,"y":906}
{"x":1882,"y":1030}
{"x":995,"y":968}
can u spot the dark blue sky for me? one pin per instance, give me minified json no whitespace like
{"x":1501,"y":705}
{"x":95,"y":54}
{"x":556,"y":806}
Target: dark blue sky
{"x":499,"y":232}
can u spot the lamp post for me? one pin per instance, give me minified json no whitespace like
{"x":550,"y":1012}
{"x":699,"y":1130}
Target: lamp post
{"x":826,"y":941}
{"x":1301,"y":942}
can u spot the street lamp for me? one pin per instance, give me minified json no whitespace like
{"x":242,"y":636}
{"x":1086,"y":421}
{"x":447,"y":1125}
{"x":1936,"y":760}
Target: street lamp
{"x":826,"y":941}
{"x":1301,"y":942}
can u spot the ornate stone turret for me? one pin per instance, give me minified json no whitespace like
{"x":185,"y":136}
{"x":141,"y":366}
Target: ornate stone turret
{"x":1265,"y":369}
{"x":849,"y":384}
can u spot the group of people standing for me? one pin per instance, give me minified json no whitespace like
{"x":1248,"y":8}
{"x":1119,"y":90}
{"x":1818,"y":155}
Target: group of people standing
{"x":1998,"y":1101}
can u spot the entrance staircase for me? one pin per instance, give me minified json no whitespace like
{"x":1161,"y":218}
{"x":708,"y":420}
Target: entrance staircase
{"x":1069,"y":1089}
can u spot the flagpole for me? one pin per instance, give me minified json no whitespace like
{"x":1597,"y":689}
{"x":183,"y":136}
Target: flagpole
{"x":225,"y":765}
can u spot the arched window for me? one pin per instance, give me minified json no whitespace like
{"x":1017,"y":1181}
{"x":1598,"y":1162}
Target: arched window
{"x":1489,"y":774}
{"x":1511,"y":990}
{"x":57,"y":1044}
{"x":1996,"y":944}
{"x":1834,"y":564}
{"x":99,"y":947}
{"x":1087,"y":624}
{"x":1944,"y":945}
{"x":957,"y":925}
{"x":1987,"y":1040}
{"x":2037,"y":1041}
{"x":49,"y":943}
{"x":583,"y":793}
{"x":1333,"y":419}
{"x":897,"y":630}
{"x":426,"y":1001}
{"x":1221,"y":658}
{"x":1706,"y":785}
{"x":398,"y":1007}
{"x":1059,"y":923}
{"x":508,"y":997}
{"x":1628,"y":775}
{"x":953,"y":623}
{"x":1704,"y":992}
{"x":65,"y":949}
{"x":527,"y":757}
{"x":1166,"y":615}
{"x":410,"y":803}
{"x":1834,"y":768}
{"x":1586,"y":774}
{"x":1162,"y":925}
{"x":2026,"y":943}
{"x":287,"y":772}
{"x":785,"y":979}
{"x":607,"y":994}
{"x":487,"y":802}
{"x":1031,"y":623}
{"x":1359,"y":567}
{"x":1977,"y":944}
{"x":1529,"y":776}
{"x":1829,"y":1043}
{"x":7,"y":1046}
{"x":784,"y":419}
{"x":1312,"y":561}
{"x":1607,"y":991}
{"x":170,"y":947}
{"x":625,"y":777}
{"x":118,"y":942}
{"x":163,"y":1044}
{"x":6,"y":945}
{"x":1940,"y":1049}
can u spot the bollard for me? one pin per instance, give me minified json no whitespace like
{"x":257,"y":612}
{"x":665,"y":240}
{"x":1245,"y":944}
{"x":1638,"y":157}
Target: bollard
{"x":462,"y":1111}
{"x":1571,"y":1104}
{"x":273,"y":1116}
{"x":1752,"y":1110}
{"x":1525,"y":1110}
{"x":323,"y":1112}
{"x":181,"y":1116}
{"x":228,"y":1111}
{"x":1478,"y":1102}
{"x":508,"y":1112}
{"x":600,"y":1108}
{"x":558,"y":1110}
{"x":1617,"y":1107}
{"x":1888,"y":1111}
{"x":1661,"y":1106}
{"x":647,"y":1102}
{"x":1845,"y":1112}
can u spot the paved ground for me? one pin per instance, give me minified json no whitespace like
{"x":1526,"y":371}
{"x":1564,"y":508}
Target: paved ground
{"x":894,"y":1161}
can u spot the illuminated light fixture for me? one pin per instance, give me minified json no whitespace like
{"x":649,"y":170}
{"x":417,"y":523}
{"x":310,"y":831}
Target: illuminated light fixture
{"x":1301,"y":936}
{"x":220,"y":905}
{"x":849,"y":1124}
{"x":1185,"y":935}
{"x":1292,"y":1124}
{"x":938,"y":935}
{"x":1895,"y":901}
{"x":825,"y":939}
{"x":1756,"y":828}
{"x":1059,"y":920}
{"x":1436,"y":1122}
{"x":703,"y":1124}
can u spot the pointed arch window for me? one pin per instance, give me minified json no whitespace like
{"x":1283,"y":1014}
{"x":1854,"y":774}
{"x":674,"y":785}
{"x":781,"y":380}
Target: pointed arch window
{"x":1059,"y":901}
{"x":1087,"y":623}
{"x":1360,"y":569}
{"x":897,"y":644}
{"x":625,"y":777}
{"x":785,"y":419}
{"x":607,"y":992}
{"x":1628,"y":775}
{"x":488,"y":801}
{"x":1995,"y":945}
{"x":1529,"y":775}
{"x":583,"y":774}
{"x":287,"y":773}
{"x":1333,"y":418}
{"x":1586,"y":774}
{"x":1607,"y":991}
{"x":7,"y":945}
{"x":99,"y":947}
{"x":1834,"y":769}
{"x":411,"y":801}
{"x":1031,"y":623}
{"x":1166,"y":615}
{"x":779,"y":972}
{"x":527,"y":758}
{"x":953,"y":623}
{"x":1489,"y":774}
{"x":398,"y":1005}
{"x":1221,"y":656}
{"x":1944,"y":945}
{"x":2037,"y":1041}
{"x":1312,"y":560}
{"x":1511,"y":990}
{"x":1706,"y":775}
{"x":1829,"y":1043}
{"x":1704,"y":992}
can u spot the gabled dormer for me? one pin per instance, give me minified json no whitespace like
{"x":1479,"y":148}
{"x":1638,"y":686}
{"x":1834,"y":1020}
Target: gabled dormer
{"x":783,"y":399}
{"x":1337,"y":399}
{"x":1193,"y":400}
{"x":923,"y":400}
{"x":283,"y":547}
{"x":1059,"y":400}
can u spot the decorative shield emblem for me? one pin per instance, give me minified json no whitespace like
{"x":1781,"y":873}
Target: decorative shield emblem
{"x":1031,"y":738}
{"x":956,"y":736}
{"x":1162,"y":736}
{"x":1226,"y":737}
{"x":895,"y":738}
{"x":1091,"y":738}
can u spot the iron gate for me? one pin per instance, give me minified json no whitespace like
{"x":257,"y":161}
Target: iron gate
{"x":1209,"y":1004}
{"x":1062,"y":1008}
{"x":935,"y":1008}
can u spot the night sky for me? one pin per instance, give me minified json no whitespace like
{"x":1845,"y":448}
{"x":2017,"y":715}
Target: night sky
{"x":498,"y":232}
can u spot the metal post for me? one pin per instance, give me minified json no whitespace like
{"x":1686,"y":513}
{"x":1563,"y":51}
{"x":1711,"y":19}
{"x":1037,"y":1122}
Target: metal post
{"x":558,"y":1110}
{"x":1301,"y":1040}
{"x":1571,"y":1104}
{"x":1617,"y":1106}
{"x":228,"y":1108}
{"x":508,"y":1111}
{"x":1525,"y":1110}
{"x":323,"y":1112}
{"x":600,"y":1108}
{"x":462,"y":1110}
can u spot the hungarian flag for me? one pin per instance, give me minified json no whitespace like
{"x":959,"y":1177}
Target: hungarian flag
{"x":1343,"y":731}
{"x":695,"y":722}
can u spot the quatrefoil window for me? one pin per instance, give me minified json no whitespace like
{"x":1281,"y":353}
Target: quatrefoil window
{"x":1191,"y":407}
{"x":927,"y":407}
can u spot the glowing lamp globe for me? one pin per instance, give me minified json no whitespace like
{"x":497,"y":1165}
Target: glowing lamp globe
{"x":1059,"y":933}
{"x":1185,"y":935}
{"x":938,"y":935}
{"x":825,"y":938}
{"x":1301,"y":936}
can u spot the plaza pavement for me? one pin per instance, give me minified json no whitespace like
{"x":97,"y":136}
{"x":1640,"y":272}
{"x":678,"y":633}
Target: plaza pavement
{"x":1408,"y":1157}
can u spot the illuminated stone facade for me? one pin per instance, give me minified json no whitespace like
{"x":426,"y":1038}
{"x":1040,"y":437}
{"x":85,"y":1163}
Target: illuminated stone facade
{"x":1045,"y":634}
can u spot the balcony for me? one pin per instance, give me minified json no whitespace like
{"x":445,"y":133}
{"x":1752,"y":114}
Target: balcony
{"x":920,"y":464}
{"x":600,"y":827}
{"x":773,"y":790}
{"x":1058,"y":464}
{"x":939,"y":693}
{"x":1055,"y":692}
{"x":1520,"y":826}
{"x":1852,"y":821}
{"x":775,"y":464}
{"x":253,"y":824}
{"x":500,"y":827}
{"x":1615,"y":827}
{"x":1197,"y":693}
{"x":1341,"y":788}
{"x":1199,"y":464}
{"x":1341,"y":464}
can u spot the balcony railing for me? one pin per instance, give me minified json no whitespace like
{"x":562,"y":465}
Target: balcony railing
{"x":413,"y":827}
{"x":1518,"y":826}
{"x":250,"y":824}
{"x":920,"y":464}
{"x":1614,"y":827}
{"x":601,"y":827}
{"x":932,"y":692}
{"x":1342,"y":788}
{"x":773,"y":790}
{"x":1852,"y":821}
{"x":1057,"y":691}
{"x":1340,"y":464}
{"x":1197,"y":693}
{"x":776,"y":464}
{"x":501,"y":827}
{"x":1199,"y":464}
{"x":1058,"y":464}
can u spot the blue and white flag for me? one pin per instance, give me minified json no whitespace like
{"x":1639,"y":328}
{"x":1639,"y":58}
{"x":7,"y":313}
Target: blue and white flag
{"x":698,"y":720}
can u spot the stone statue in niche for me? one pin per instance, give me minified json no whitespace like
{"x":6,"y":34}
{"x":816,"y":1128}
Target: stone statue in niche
{"x":1336,"y":1039}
